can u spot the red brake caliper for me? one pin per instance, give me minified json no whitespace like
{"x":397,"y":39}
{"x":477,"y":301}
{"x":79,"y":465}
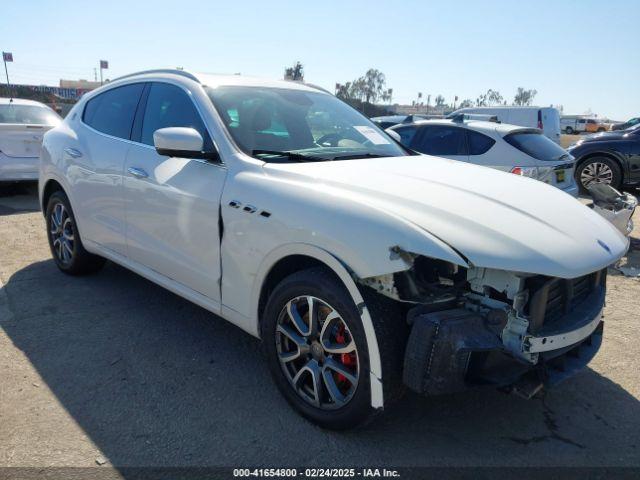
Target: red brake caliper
{"x":347,"y":359}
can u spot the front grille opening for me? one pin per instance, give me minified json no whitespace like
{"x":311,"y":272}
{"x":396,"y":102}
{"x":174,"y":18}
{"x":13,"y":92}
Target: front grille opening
{"x":551,"y":298}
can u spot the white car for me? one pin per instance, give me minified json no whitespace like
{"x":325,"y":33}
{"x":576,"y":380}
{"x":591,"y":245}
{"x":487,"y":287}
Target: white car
{"x":22,"y":125}
{"x":362,"y":267}
{"x":523,"y":151}
{"x":546,"y":119}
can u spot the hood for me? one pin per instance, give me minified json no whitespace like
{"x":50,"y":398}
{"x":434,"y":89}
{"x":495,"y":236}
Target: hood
{"x":603,"y":136}
{"x":495,"y":219}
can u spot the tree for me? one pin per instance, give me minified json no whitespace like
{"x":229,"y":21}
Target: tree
{"x":439,"y":101}
{"x":365,"y":90}
{"x":467,"y":102}
{"x":374,"y":83}
{"x":492,"y":97}
{"x":295,"y":73}
{"x":524,"y":97}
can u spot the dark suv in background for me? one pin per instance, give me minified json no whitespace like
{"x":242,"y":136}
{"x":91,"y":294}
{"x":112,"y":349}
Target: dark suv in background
{"x":611,"y":158}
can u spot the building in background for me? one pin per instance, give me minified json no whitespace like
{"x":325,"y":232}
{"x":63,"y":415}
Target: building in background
{"x":81,"y":84}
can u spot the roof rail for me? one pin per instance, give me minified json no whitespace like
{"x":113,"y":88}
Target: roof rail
{"x":174,"y":71}
{"x":461,"y":117}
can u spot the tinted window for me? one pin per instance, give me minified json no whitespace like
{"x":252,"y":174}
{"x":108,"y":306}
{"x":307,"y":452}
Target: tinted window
{"x":170,"y":106}
{"x":535,"y":144}
{"x":440,"y":140}
{"x":406,"y":135}
{"x":28,"y":115}
{"x":479,"y":143}
{"x":112,"y":112}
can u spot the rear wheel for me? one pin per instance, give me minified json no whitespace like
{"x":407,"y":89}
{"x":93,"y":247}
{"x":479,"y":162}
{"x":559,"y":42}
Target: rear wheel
{"x":64,"y":240}
{"x":317,"y":350}
{"x":598,"y":170}
{"x":568,"y":131}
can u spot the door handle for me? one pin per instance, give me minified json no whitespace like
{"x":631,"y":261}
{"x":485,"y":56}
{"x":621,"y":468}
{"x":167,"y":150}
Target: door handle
{"x":137,"y":172}
{"x":72,"y":152}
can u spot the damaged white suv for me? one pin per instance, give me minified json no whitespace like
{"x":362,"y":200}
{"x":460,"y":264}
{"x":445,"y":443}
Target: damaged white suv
{"x":362,"y":267}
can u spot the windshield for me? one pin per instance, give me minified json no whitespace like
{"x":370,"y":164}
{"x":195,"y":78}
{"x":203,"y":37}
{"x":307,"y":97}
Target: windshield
{"x":28,"y":114}
{"x":273,"y":124}
{"x":535,"y":144}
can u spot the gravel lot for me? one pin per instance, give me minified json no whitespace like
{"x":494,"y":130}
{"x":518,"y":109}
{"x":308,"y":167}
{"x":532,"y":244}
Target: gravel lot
{"x":113,"y":369}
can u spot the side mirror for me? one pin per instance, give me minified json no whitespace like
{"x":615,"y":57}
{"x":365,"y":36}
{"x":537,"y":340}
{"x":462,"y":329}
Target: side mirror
{"x":181,"y":142}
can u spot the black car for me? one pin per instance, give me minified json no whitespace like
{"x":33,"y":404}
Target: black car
{"x":612,"y":158}
{"x":628,"y":124}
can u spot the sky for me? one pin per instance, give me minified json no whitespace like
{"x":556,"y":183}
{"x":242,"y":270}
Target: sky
{"x":580,"y":54}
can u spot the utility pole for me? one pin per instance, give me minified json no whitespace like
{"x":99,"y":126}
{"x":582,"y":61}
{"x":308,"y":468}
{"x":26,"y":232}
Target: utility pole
{"x":95,"y":74}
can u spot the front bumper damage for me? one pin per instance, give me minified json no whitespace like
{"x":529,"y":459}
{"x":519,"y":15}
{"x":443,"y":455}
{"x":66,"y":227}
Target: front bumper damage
{"x":498,"y":328}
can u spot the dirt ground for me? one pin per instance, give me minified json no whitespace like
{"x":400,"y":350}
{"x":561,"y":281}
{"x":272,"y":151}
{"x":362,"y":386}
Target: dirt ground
{"x":111,"y":370}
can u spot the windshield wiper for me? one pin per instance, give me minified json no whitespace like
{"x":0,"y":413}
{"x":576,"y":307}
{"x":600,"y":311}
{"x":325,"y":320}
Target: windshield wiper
{"x":353,"y":156}
{"x":298,"y":157}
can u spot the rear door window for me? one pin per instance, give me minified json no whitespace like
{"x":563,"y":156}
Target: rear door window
{"x":536,"y":145}
{"x":479,"y":143}
{"x":112,"y":112}
{"x":441,"y":140}
{"x":170,"y":106}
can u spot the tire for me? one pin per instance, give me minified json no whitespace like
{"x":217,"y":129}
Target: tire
{"x":568,"y":131}
{"x":591,"y":164}
{"x":321,"y":284}
{"x":64,"y":239}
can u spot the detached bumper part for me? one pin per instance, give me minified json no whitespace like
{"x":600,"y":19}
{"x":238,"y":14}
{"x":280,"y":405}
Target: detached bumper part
{"x":450,"y":351}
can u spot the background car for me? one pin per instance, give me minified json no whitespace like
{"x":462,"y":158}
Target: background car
{"x":510,"y":148}
{"x":546,"y":119}
{"x":593,"y":125}
{"x":629,"y":123}
{"x":22,"y":125}
{"x":612,"y":158}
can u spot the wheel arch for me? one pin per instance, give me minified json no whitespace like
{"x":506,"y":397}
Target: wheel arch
{"x":291,"y":258}
{"x":49,"y":188}
{"x":606,"y":154}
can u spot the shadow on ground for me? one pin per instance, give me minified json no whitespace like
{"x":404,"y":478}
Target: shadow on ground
{"x":154,"y":380}
{"x":19,"y":197}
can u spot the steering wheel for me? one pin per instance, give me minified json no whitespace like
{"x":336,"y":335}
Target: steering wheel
{"x":333,"y":139}
{"x":329,"y":140}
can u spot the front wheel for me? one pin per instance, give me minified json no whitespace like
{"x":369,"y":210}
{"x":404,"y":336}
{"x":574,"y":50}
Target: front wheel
{"x":598,"y":170}
{"x":64,"y":239}
{"x":317,"y":350}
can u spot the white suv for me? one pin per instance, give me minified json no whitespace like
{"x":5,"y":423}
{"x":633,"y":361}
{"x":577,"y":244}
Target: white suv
{"x":363,"y":268}
{"x":523,"y":151}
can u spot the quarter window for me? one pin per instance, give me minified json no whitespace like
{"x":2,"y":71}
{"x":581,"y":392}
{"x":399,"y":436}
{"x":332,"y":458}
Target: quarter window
{"x":112,"y":112}
{"x":479,"y":143}
{"x":170,"y":106}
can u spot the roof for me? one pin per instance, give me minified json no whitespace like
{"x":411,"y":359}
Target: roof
{"x":481,"y":125}
{"x":218,"y":80}
{"x":21,"y":101}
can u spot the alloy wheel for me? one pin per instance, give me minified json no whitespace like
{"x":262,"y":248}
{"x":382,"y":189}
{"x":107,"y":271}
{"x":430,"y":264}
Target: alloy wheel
{"x":596,"y":172}
{"x":62,"y":233}
{"x":317,"y":352}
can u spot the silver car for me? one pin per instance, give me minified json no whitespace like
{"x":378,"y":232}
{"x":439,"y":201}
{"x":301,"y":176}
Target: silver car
{"x":22,"y":125}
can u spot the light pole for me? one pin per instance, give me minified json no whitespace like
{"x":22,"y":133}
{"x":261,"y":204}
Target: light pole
{"x":104,"y":64}
{"x":7,"y":57}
